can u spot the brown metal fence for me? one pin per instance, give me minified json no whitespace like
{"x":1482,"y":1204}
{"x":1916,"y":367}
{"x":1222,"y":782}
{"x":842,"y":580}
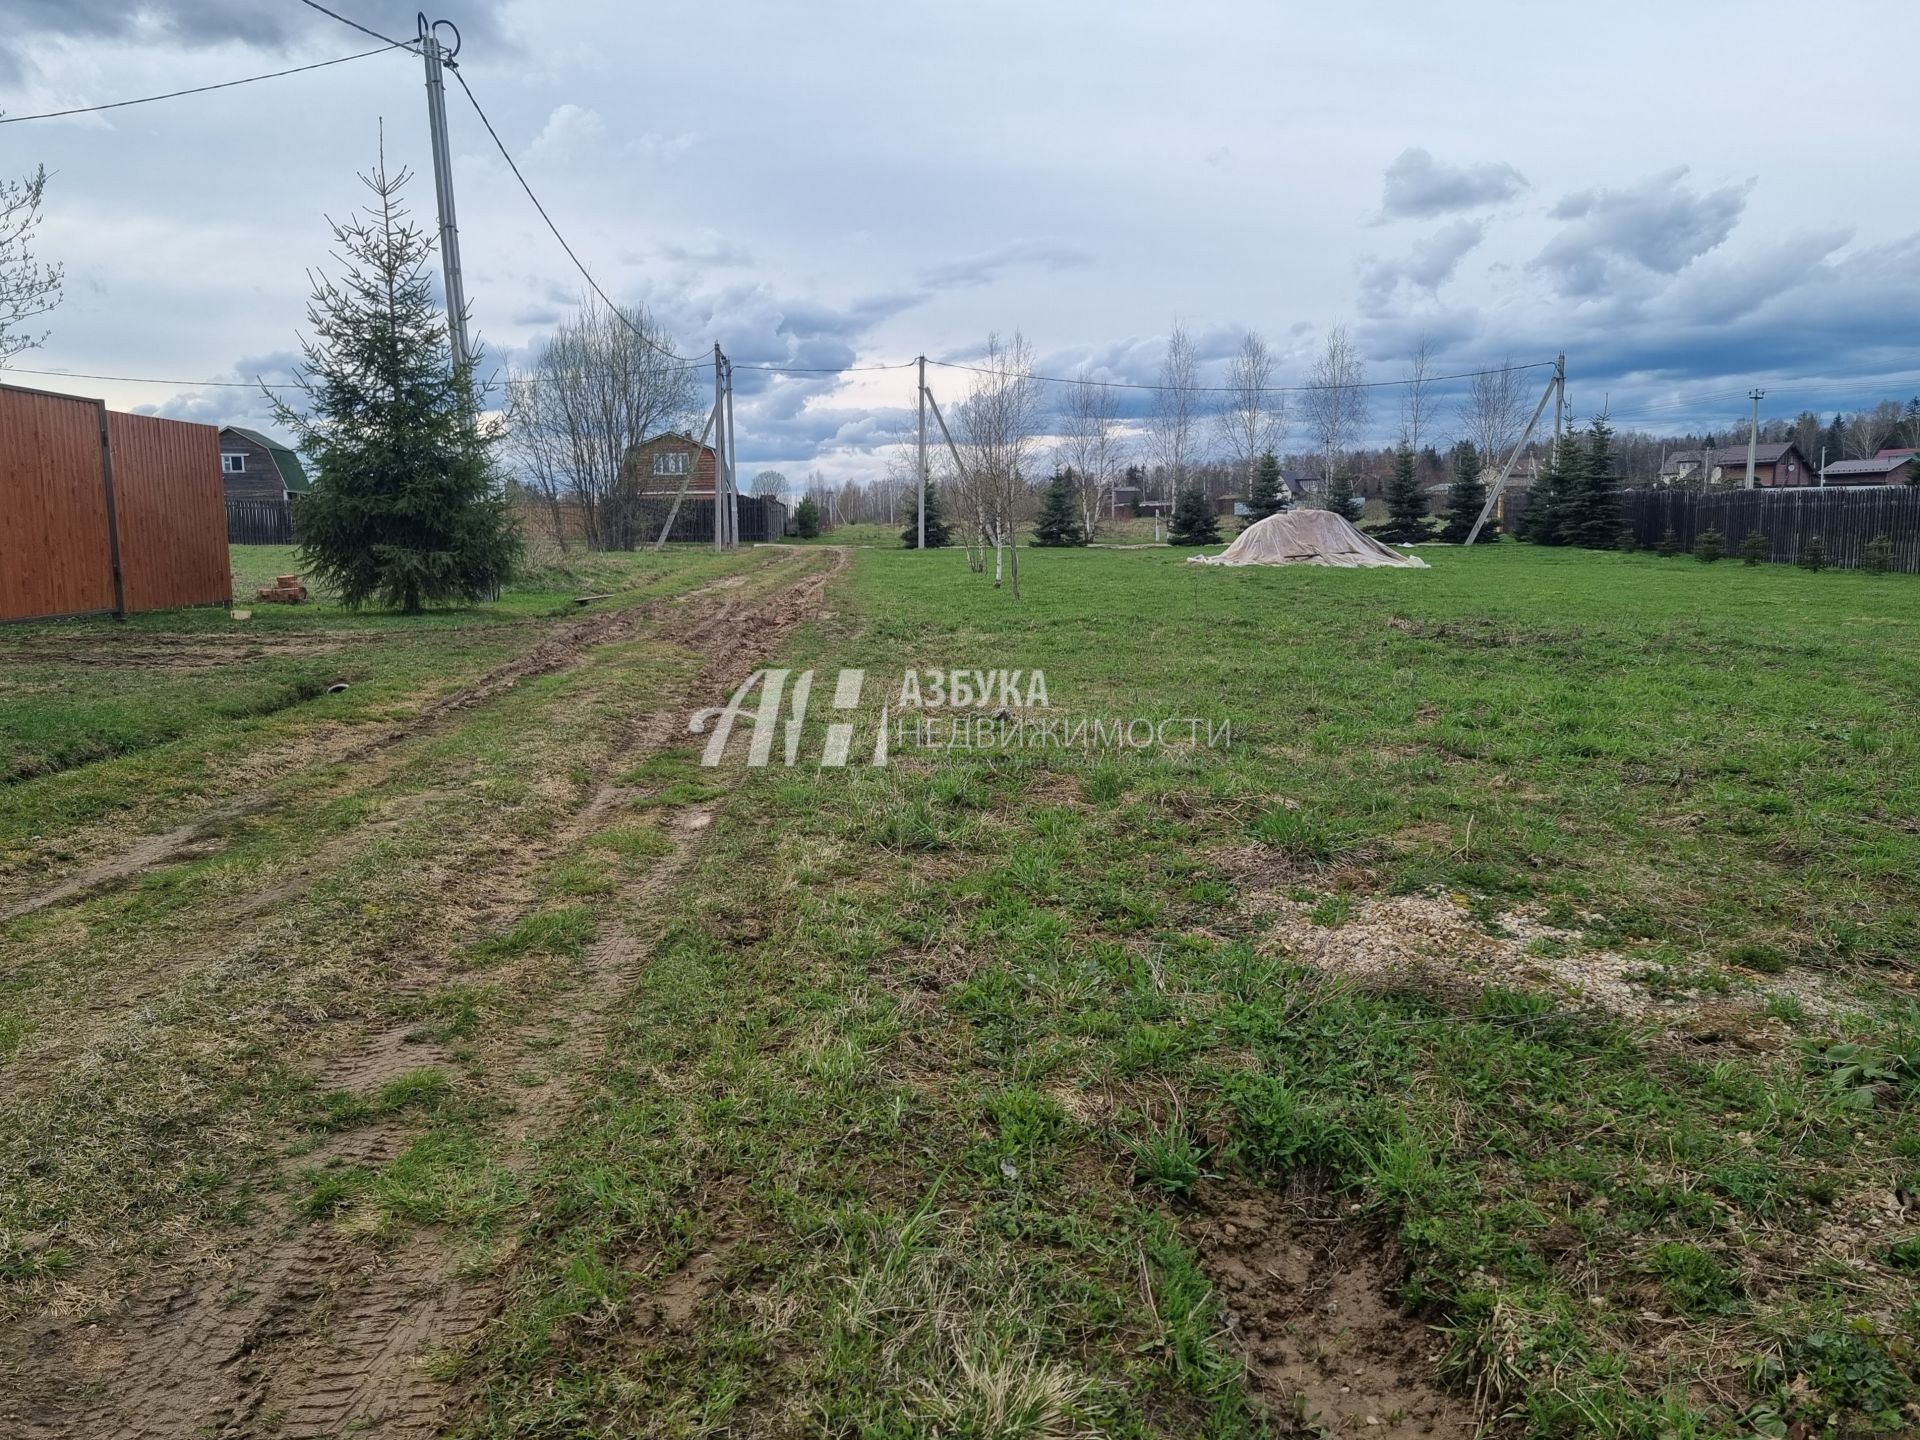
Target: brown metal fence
{"x":101,"y":511}
{"x":1844,"y":520}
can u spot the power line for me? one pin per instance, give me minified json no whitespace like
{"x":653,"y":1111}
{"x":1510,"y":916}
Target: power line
{"x":1262,"y":389}
{"x":198,"y":89}
{"x":689,"y":361}
{"x":152,"y":380}
{"x":336,"y":15}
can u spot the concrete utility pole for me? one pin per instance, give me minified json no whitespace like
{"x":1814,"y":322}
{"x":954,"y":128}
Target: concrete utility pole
{"x":720,"y":446}
{"x":435,"y":57}
{"x":921,"y":523}
{"x":733,"y":470}
{"x":1753,"y":434}
{"x":1559,"y":402}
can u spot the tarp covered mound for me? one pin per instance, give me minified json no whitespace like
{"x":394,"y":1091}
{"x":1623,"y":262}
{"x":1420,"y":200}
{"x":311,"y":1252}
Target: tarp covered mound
{"x":1307,"y":537}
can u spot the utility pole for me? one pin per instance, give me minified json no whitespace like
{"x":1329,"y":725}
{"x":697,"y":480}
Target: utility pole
{"x":921,"y":523}
{"x":733,"y":470}
{"x":1559,"y":402}
{"x":431,"y":52}
{"x":720,"y":448}
{"x":1753,"y":434}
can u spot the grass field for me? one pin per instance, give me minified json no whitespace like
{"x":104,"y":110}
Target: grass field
{"x":1512,"y":1026}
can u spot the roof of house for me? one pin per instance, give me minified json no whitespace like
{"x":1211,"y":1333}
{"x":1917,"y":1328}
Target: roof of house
{"x":292,"y":476}
{"x":1879,"y":465}
{"x":1729,"y":455}
{"x":1895,"y":454}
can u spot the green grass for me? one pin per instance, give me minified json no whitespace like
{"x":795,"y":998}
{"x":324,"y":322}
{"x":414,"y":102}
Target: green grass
{"x":862,"y":1067}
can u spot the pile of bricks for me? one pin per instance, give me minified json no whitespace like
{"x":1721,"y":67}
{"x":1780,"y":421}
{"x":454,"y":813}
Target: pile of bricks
{"x":285,"y":590}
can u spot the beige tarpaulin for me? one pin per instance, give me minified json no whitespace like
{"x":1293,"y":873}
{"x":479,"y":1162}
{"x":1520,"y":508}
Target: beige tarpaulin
{"x":1307,"y":537}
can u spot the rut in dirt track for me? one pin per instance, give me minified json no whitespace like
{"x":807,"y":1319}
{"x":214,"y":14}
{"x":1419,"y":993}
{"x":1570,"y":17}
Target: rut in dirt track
{"x":556,"y":651}
{"x":302,"y":1330}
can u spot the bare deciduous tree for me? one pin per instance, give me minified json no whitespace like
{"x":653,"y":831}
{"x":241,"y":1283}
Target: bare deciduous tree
{"x":1336,"y":400}
{"x":1092,"y":447}
{"x":770,"y":485}
{"x":1493,"y":412}
{"x":1176,"y":413}
{"x":1252,"y":418}
{"x":596,"y":390}
{"x":1866,"y":431}
{"x":27,"y":287}
{"x":1417,"y":403}
{"x":997,"y":423}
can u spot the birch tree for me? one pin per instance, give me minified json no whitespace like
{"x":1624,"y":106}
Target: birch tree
{"x":1176,"y":411}
{"x":1417,"y":402}
{"x":1336,"y":400}
{"x":1092,"y":447}
{"x":998,"y":421}
{"x":1252,"y":419}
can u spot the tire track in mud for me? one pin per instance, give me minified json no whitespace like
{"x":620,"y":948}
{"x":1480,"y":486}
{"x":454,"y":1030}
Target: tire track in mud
{"x":305,"y":1331}
{"x":557,"y":651}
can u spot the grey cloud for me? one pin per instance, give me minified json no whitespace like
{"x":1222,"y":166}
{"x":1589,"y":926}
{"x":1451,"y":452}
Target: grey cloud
{"x":1658,"y":226}
{"x":1429,"y":265}
{"x":984,"y":268}
{"x":1419,"y":187}
{"x":264,"y":24}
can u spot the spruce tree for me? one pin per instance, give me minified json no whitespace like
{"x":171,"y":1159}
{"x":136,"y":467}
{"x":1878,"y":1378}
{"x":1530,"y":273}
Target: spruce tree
{"x":406,"y":509}
{"x":1466,"y":498}
{"x":1755,"y":548}
{"x":1269,"y":495}
{"x":806,"y":519}
{"x":1813,"y":554}
{"x":1709,"y":546}
{"x":1669,"y":545}
{"x":938,"y":535}
{"x":1545,"y":520}
{"x":1194,"y":522}
{"x":1591,"y":514}
{"x":1406,"y":501}
{"x":1878,"y":557}
{"x":1058,"y":523}
{"x":1340,"y":497}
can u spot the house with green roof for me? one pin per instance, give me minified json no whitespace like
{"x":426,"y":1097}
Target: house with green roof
{"x":258,"y":467}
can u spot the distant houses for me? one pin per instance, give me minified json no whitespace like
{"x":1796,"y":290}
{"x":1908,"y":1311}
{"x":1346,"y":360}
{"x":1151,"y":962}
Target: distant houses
{"x":1727,"y":466}
{"x":257,"y":467}
{"x":1889,"y":467}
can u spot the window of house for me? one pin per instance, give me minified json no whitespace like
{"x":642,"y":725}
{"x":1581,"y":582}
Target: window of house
{"x":670,"y":462}
{"x":234,"y":464}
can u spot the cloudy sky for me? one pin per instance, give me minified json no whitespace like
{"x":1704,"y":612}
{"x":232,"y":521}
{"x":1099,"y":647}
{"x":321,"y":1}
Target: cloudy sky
{"x":1687,"y":199}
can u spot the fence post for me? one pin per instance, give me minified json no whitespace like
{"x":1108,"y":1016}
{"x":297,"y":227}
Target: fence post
{"x":113,"y":516}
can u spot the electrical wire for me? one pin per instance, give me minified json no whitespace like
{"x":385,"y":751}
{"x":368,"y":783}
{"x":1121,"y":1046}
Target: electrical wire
{"x":152,"y":380}
{"x":689,"y":361}
{"x":198,"y":89}
{"x":1262,"y":389}
{"x":336,"y":15}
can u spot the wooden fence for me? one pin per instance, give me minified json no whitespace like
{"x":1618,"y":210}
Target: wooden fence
{"x":1788,"y":516}
{"x":105,"y":512}
{"x":259,"y":522}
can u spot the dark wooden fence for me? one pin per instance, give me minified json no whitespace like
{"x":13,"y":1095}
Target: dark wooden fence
{"x":259,"y":522}
{"x":101,"y":511}
{"x":760,"y":519}
{"x":1843,"y":519}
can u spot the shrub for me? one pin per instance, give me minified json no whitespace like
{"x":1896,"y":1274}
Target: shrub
{"x":1709,"y":547}
{"x":1878,"y":559}
{"x":1754,"y":548}
{"x":1813,"y":554}
{"x":1669,"y":545}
